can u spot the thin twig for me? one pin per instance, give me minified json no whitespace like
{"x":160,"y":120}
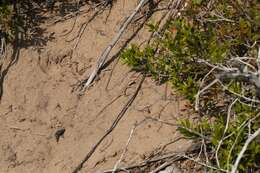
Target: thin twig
{"x":106,"y":52}
{"x":114,"y":124}
{"x":82,"y":30}
{"x":203,"y":164}
{"x":226,"y":128}
{"x":238,"y":131}
{"x":201,"y":91}
{"x":111,"y":73}
{"x":174,"y":156}
{"x":239,"y":95}
{"x":167,"y":163}
{"x":75,"y":20}
{"x":125,"y":150}
{"x":179,"y":126}
{"x":239,"y":157}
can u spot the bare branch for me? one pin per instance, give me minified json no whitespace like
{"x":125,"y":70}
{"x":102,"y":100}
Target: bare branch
{"x":125,"y":150}
{"x":248,"y":141}
{"x":226,"y":128}
{"x":106,"y":52}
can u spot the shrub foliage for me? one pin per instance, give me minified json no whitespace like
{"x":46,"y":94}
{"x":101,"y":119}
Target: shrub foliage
{"x":207,"y":43}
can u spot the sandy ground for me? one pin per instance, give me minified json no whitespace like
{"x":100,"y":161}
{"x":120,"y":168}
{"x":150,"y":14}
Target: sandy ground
{"x":38,"y":100}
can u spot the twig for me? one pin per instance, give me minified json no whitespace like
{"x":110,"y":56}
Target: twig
{"x":165,"y":18}
{"x":162,"y":166}
{"x":234,"y":144}
{"x":83,"y":28}
{"x":115,"y":123}
{"x":201,"y":91}
{"x":75,"y":20}
{"x":238,"y":59}
{"x":105,"y":53}
{"x":248,"y":141}
{"x":226,"y":128}
{"x":105,"y":107}
{"x":258,"y":59}
{"x":125,"y":150}
{"x":239,"y":95}
{"x":111,"y":73}
{"x":238,"y":131}
{"x":205,"y":150}
{"x":179,"y":126}
{"x":203,"y":164}
{"x":175,"y":156}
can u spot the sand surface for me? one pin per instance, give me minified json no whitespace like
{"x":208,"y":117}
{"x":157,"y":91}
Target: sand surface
{"x":38,"y":100}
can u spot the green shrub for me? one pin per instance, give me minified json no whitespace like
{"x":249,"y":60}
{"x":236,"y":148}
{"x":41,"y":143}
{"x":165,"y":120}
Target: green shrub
{"x":212,"y":34}
{"x":6,"y":15}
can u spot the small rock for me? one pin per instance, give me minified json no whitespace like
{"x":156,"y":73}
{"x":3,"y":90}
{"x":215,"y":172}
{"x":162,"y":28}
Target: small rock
{"x":59,"y":133}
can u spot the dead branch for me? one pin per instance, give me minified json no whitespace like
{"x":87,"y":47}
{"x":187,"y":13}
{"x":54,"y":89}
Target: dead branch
{"x":174,"y":157}
{"x":114,"y":124}
{"x":239,"y":157}
{"x":201,"y":91}
{"x":145,"y":163}
{"x":240,"y":76}
{"x":232,"y":73}
{"x":125,"y":150}
{"x":106,"y":52}
{"x":167,"y":163}
{"x":204,"y":164}
{"x":226,"y":128}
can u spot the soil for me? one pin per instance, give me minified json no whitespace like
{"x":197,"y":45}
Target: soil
{"x":47,"y":127}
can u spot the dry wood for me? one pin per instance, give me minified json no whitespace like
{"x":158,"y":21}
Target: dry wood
{"x":173,"y":157}
{"x":125,"y":149}
{"x":239,"y":157}
{"x":168,"y":163}
{"x":106,"y":52}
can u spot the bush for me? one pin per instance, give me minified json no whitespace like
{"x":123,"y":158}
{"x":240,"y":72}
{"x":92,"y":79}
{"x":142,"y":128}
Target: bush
{"x":211,"y":44}
{"x":6,"y":25}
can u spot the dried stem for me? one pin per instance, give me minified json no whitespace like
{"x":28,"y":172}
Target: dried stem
{"x":248,"y":141}
{"x":106,"y":52}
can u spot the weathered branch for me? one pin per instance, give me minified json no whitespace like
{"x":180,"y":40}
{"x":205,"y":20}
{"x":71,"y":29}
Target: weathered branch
{"x":106,"y":52}
{"x":239,"y":157}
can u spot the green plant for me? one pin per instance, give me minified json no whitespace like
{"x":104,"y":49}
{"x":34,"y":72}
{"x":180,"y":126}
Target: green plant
{"x":6,"y":25}
{"x":196,"y":47}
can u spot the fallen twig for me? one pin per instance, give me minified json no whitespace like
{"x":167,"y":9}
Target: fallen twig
{"x":173,"y":156}
{"x":168,"y":163}
{"x":106,"y":52}
{"x":204,"y":164}
{"x":116,"y":121}
{"x":145,"y":163}
{"x":125,"y":150}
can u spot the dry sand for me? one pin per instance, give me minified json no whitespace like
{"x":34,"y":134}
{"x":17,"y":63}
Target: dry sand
{"x":38,"y":100}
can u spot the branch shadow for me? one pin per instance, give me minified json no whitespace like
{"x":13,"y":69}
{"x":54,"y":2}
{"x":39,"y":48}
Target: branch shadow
{"x":13,"y":60}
